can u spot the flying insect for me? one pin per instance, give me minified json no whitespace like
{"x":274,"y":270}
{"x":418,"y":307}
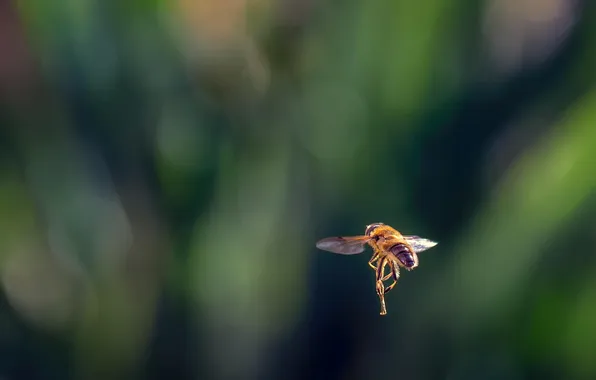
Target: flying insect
{"x":391,"y":250}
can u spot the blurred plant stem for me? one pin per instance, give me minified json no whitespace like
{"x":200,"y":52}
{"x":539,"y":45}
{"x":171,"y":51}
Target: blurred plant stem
{"x":540,"y":194}
{"x":247,"y":251}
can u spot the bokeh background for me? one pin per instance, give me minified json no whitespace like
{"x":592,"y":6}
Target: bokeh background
{"x":166,"y":168}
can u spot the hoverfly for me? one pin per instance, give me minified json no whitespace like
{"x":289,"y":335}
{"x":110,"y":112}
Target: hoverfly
{"x":390,"y":248}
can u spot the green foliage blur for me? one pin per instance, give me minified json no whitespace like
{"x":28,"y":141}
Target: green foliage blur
{"x":166,"y":168}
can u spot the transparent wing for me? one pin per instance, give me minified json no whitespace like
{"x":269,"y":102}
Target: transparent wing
{"x":420,"y":244}
{"x":350,"y":245}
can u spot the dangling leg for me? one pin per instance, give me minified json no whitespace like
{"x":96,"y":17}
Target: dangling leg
{"x":388,"y":275}
{"x":379,"y":284}
{"x":374,"y":257}
{"x":394,"y":273}
{"x":372,"y":265}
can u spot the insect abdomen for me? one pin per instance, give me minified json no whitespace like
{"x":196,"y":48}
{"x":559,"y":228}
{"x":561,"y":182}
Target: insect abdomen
{"x":404,"y":255}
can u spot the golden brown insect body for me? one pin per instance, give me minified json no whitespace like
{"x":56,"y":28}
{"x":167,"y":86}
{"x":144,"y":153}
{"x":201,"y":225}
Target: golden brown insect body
{"x":390,"y":249}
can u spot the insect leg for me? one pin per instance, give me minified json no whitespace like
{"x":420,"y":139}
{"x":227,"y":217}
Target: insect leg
{"x":374,"y":257}
{"x":374,"y":267}
{"x":381,"y":269}
{"x":388,"y":275}
{"x":379,"y":284}
{"x":395,"y":274}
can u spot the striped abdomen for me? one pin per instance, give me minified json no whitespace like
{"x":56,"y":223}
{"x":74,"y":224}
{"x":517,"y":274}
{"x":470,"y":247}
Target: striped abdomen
{"x":404,"y":255}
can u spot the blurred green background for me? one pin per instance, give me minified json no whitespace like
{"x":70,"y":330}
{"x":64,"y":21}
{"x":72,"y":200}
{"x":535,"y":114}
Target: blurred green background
{"x":166,"y":168}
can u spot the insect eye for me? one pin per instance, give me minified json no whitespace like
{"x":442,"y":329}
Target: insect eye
{"x":371,"y":228}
